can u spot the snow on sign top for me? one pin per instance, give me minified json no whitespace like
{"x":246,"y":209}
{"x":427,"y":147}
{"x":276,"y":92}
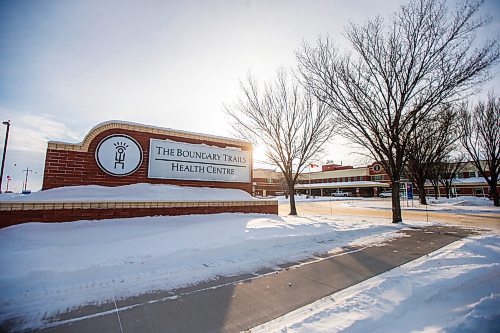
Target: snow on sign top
{"x":131,"y":193}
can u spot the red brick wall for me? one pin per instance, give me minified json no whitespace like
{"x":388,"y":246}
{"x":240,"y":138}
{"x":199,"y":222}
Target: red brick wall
{"x":9,"y":218}
{"x":261,"y":184}
{"x":69,"y":168}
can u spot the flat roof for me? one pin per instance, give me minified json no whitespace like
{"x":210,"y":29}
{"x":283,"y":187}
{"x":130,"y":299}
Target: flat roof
{"x":353,"y":184}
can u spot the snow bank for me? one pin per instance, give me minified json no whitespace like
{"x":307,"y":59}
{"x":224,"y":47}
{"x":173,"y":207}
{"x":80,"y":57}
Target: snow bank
{"x":458,"y":205}
{"x":133,"y":192}
{"x":461,"y":201}
{"x":49,"y":268}
{"x":305,"y":198}
{"x":454,"y":289}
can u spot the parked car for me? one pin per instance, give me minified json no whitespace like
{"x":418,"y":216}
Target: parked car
{"x":385,"y":194}
{"x":388,"y":194}
{"x":342,"y":194}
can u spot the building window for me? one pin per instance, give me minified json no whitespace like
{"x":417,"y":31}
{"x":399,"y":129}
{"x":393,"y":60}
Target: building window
{"x":460,"y":175}
{"x":479,"y":191}
{"x":377,"y":168}
{"x":379,"y":177}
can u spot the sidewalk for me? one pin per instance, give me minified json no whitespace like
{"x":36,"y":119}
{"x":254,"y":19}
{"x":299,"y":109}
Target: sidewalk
{"x":236,"y":304}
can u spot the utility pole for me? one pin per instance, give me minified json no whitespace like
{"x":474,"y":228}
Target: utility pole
{"x":25,"y":185}
{"x":8,"y":181}
{"x":7,"y":123}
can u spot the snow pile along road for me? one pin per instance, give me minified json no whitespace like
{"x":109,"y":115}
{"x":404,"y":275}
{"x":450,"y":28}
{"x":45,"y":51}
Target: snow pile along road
{"x":455,"y":289}
{"x":50,"y":268}
{"x":307,"y":198}
{"x":461,"y":201}
{"x":458,"y":205}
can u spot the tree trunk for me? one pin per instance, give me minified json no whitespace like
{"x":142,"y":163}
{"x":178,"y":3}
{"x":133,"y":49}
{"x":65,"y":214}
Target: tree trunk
{"x":293,"y":208}
{"x":436,"y":191}
{"x":494,"y":194}
{"x":447,"y":188}
{"x":421,"y":192}
{"x":396,"y":204}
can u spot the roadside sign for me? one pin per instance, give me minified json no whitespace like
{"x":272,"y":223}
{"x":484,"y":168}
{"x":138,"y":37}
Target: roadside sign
{"x":409,"y":191}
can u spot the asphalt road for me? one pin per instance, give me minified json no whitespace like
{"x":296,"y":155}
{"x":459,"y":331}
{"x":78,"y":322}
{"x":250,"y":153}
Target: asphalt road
{"x":484,"y":220}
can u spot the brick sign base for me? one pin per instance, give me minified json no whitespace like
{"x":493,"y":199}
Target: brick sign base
{"x":17,"y":213}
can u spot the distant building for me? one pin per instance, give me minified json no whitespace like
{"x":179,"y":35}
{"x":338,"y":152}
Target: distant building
{"x":266,"y":182}
{"x":367,"y":181}
{"x":469,"y":182}
{"x":371,"y":180}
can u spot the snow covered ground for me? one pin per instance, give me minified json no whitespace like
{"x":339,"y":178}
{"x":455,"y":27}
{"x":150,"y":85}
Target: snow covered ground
{"x":50,"y":268}
{"x":455,"y":289}
{"x":458,"y":204}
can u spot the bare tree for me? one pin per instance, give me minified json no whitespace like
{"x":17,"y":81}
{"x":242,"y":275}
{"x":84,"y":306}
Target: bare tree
{"x":398,"y":75}
{"x":481,"y":140}
{"x":431,"y":141}
{"x":434,"y":174}
{"x":448,"y":170}
{"x":289,"y":122}
{"x":445,"y":172}
{"x":284,"y":187}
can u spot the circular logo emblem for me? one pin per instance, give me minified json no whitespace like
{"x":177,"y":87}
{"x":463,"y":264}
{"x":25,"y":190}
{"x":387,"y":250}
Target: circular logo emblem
{"x":119,"y":155}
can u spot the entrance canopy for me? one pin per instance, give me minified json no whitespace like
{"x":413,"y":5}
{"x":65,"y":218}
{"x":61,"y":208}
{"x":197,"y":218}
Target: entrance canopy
{"x":354,"y":184}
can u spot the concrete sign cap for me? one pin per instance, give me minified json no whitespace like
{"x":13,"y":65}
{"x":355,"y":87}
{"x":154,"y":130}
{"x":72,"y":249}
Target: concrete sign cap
{"x":119,"y":155}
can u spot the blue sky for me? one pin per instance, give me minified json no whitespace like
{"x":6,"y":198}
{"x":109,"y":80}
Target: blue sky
{"x":69,"y":65}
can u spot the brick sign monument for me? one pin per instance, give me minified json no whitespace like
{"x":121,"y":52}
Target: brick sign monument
{"x":120,"y":153}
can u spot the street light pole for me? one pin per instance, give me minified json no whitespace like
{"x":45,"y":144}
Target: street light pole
{"x":7,"y":123}
{"x":25,"y":187}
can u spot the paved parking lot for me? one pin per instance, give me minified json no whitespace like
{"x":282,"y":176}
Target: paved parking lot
{"x":474,"y":218}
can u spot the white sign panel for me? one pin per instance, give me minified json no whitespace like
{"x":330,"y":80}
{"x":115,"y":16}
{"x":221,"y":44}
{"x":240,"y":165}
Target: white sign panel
{"x":178,"y":160}
{"x":119,"y":155}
